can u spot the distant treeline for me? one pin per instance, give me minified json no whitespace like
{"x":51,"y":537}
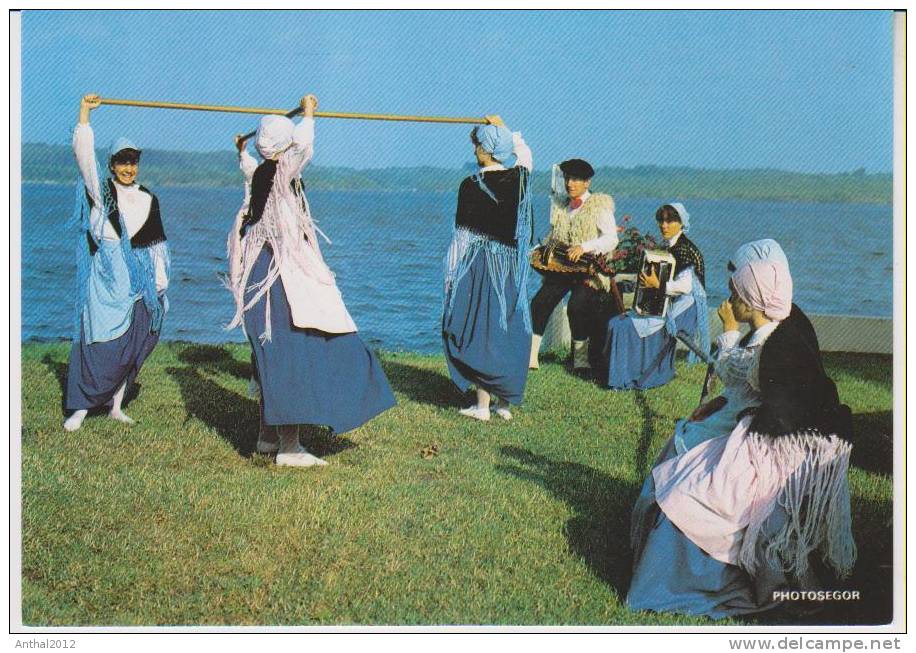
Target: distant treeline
{"x":54,"y":164}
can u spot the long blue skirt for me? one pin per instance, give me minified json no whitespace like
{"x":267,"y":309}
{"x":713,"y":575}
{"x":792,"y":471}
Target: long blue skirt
{"x":478,"y":350}
{"x":641,"y":363}
{"x":308,"y":376}
{"x":672,"y":574}
{"x":97,"y":370}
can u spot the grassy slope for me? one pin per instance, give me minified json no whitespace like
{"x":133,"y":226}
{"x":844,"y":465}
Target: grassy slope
{"x":174,"y":521}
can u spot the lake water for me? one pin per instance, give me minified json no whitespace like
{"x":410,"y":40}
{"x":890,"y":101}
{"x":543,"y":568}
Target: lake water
{"x":388,"y":247}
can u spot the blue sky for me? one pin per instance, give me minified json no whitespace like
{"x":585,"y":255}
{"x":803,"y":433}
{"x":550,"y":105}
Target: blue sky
{"x":805,"y":91}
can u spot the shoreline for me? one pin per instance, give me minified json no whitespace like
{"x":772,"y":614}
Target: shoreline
{"x":617,"y":196}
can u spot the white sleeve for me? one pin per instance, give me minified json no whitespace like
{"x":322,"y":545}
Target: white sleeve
{"x":84,"y":149}
{"x":248,"y":164}
{"x":162,"y":273}
{"x":607,"y":239}
{"x":521,"y":151}
{"x":727,"y":340}
{"x":300,"y":153}
{"x":733,"y":362}
{"x":681,"y":284}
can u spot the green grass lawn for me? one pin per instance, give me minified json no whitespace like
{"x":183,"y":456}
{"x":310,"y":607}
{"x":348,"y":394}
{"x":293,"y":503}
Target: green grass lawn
{"x":176,"y":521}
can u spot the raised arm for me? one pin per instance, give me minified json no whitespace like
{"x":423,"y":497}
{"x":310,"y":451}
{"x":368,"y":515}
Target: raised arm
{"x":520,"y":148}
{"x":300,"y":153}
{"x":247,"y":163}
{"x":521,"y":151}
{"x":84,"y":148}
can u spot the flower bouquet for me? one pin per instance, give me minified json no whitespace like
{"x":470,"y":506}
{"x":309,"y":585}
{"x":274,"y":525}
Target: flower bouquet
{"x":628,"y":253}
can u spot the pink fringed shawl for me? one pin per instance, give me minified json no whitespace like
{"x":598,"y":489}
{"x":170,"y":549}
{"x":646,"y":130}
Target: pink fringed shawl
{"x":722,"y":491}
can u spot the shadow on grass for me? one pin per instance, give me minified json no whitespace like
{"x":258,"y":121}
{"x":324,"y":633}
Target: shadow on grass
{"x":873,"y":441}
{"x":645,"y":436}
{"x":599,"y":534}
{"x":422,"y":385}
{"x":59,"y":370}
{"x":872,"y":576}
{"x":875,"y":368}
{"x":236,"y":418}
{"x":232,"y":416}
{"x":215,"y":358}
{"x":321,"y":441}
{"x":600,"y":530}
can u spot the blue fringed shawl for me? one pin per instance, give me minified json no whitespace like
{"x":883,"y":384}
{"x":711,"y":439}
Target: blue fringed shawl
{"x":107,"y":316}
{"x":504,"y":261}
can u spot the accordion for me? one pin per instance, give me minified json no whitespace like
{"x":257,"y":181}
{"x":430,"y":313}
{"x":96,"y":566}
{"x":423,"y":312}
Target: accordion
{"x":653,"y":301}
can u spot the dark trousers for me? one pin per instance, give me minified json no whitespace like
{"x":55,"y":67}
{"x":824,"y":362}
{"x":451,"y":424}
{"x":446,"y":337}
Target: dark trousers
{"x":584,"y":308}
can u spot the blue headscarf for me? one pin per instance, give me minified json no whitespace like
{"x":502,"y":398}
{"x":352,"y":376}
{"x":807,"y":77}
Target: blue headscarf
{"x":496,"y":141}
{"x":121,"y":144}
{"x":766,"y":249}
{"x":685,"y":217}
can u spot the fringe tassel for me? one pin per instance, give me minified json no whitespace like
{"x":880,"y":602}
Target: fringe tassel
{"x":503,"y":262}
{"x":285,"y":238}
{"x":79,"y":222}
{"x":140,"y":261}
{"x":812,"y":471}
{"x":502,"y":265}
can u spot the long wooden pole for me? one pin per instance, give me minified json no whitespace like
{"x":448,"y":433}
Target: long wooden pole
{"x":318,"y":114}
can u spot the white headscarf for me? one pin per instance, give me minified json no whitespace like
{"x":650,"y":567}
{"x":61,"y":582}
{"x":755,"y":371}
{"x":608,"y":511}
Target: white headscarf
{"x":765,"y":286}
{"x":766,"y":249}
{"x":275,"y":134}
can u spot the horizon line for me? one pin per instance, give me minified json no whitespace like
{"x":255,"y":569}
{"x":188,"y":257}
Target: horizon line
{"x":536,"y":169}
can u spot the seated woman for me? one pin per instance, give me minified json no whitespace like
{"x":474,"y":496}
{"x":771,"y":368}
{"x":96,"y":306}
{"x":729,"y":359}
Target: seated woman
{"x":639,"y":350}
{"x":720,"y":415}
{"x":486,"y":324}
{"x":768,"y":249}
{"x":737,"y":517}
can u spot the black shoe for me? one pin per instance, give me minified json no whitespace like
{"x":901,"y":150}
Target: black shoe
{"x":583,"y":373}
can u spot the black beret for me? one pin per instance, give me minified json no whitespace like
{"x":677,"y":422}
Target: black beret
{"x":577,"y":168}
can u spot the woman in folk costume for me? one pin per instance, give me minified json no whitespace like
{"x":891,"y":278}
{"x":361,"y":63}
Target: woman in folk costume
{"x":768,"y":249}
{"x":735,"y":356}
{"x":311,"y":365}
{"x":583,"y":221}
{"x":122,"y":273}
{"x":719,"y":415}
{"x":486,"y":325}
{"x":738,"y":517}
{"x":639,"y":350}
